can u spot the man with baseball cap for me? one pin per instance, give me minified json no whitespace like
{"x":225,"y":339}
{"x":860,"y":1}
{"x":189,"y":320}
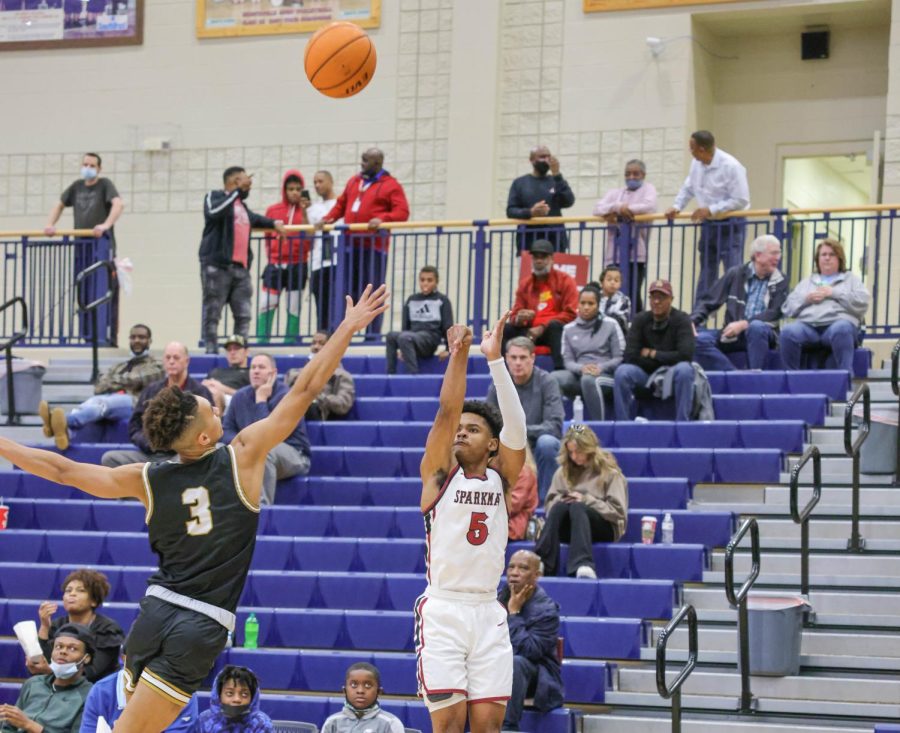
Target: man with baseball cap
{"x":54,"y":701}
{"x":223,"y":382}
{"x":660,"y":337}
{"x":546,"y":300}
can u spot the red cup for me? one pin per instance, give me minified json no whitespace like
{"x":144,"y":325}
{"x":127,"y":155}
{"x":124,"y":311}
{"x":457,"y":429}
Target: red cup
{"x":4,"y":515}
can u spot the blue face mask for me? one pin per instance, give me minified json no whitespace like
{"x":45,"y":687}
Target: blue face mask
{"x":88,"y":173}
{"x":633,"y":184}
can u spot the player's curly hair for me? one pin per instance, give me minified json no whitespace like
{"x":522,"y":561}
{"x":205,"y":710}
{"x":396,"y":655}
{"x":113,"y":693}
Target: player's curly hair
{"x":487,"y":411}
{"x":166,"y":417}
{"x":95,"y":583}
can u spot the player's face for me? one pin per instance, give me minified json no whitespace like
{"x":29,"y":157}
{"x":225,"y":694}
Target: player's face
{"x":235,"y":693}
{"x":579,"y":458}
{"x":427,"y":283}
{"x":261,"y":371}
{"x":292,"y":192}
{"x":236,"y":355}
{"x":318,"y":341}
{"x":138,"y":340}
{"x":76,"y":598}
{"x":522,"y":570}
{"x":588,"y":306}
{"x":520,"y":363}
{"x":473,"y":439}
{"x":361,"y":689}
{"x":210,"y":422}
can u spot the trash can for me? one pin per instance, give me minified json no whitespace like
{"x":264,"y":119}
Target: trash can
{"x":878,"y":453}
{"x":774,"y":628}
{"x":28,"y":379}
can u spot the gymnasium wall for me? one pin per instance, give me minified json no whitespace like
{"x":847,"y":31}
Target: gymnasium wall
{"x":463,"y":90}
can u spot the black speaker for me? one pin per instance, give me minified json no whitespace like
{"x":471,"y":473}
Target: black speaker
{"x":814,"y":45}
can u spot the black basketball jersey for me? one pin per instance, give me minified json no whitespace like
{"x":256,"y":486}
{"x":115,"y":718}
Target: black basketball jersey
{"x":202,"y":526}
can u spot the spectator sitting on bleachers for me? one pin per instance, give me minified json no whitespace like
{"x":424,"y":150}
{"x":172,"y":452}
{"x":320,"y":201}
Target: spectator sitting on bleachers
{"x":114,"y":393}
{"x":84,"y":591}
{"x":829,"y":306}
{"x":587,"y":503}
{"x":523,"y":498}
{"x":256,"y":402}
{"x":223,"y":382}
{"x":533,"y":619}
{"x":592,"y":349}
{"x":337,"y":397}
{"x":361,"y":711}
{"x":752,"y":294}
{"x":546,"y":301}
{"x":107,"y":699}
{"x":427,"y":316}
{"x":660,"y":337}
{"x":613,"y":302}
{"x":54,"y":701}
{"x":542,"y":402}
{"x":234,"y":705}
{"x":175,"y":362}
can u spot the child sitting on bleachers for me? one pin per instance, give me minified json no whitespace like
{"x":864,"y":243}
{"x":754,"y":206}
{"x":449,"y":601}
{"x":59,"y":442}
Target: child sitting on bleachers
{"x":234,"y":704}
{"x":361,"y":688}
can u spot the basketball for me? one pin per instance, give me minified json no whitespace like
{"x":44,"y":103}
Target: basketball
{"x":339,"y":59}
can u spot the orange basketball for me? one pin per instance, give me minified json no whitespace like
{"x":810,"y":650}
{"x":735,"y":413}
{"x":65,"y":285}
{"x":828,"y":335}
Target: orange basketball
{"x":339,"y":59}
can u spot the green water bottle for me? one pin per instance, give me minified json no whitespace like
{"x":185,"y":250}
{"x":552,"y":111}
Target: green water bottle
{"x":251,"y":632}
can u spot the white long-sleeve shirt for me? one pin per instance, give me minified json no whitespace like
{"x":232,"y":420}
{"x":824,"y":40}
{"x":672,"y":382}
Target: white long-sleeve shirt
{"x":720,"y":186}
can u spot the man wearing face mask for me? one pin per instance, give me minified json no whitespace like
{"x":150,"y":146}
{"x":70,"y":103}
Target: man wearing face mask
{"x":621,"y":205}
{"x":543,"y":192}
{"x":54,"y":701}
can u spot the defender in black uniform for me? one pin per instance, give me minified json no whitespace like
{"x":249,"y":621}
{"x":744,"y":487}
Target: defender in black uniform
{"x":202,"y":515}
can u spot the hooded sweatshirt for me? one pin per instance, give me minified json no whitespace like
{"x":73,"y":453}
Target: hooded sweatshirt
{"x":292,"y":249}
{"x":214,"y":720}
{"x":848,"y":301}
{"x":373,"y":720}
{"x":598,"y":341}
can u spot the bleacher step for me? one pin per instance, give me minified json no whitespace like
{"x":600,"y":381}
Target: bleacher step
{"x":848,"y":565}
{"x":829,"y":534}
{"x":877,"y":502}
{"x":807,"y":661}
{"x":792,"y":579}
{"x":616,"y":723}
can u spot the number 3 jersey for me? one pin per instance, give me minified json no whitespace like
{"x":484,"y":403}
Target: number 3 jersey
{"x":202,"y":526}
{"x":466,"y":529}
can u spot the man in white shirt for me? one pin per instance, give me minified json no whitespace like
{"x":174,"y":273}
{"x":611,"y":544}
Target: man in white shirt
{"x":323,"y":255}
{"x":719,"y":183}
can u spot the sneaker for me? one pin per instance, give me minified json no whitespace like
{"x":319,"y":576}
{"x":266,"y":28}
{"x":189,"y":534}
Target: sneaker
{"x":44,"y":412}
{"x":586,"y":571}
{"x":59,"y":427}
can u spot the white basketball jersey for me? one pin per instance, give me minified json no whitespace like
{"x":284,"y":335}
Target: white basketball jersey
{"x":466,"y":531}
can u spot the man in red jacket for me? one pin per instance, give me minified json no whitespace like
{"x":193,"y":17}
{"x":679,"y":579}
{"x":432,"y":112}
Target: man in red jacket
{"x":371,"y":197}
{"x":287,"y":256}
{"x":546,"y":301}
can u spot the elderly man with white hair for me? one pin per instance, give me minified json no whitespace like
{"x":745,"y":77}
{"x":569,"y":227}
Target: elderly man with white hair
{"x":752,"y":294}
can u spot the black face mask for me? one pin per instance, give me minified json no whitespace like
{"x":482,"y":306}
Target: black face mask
{"x":243,"y":195}
{"x":233,"y":712}
{"x":541,"y":167}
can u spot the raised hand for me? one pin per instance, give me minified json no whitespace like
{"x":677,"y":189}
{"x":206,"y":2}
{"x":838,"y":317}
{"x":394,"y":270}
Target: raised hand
{"x":371,"y":304}
{"x":491,"y":341}
{"x":458,"y":337}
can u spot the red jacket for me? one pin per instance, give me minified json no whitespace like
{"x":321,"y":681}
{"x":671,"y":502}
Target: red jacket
{"x":382,"y":199}
{"x":293,"y":249}
{"x":564,"y":292}
{"x":523,"y":500}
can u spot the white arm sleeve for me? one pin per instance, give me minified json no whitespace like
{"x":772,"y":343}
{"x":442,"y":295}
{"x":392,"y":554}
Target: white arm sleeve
{"x":513,"y":435}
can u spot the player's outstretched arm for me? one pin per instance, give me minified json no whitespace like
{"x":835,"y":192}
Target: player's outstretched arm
{"x":438,"y":458}
{"x":255,"y":441}
{"x":106,"y":483}
{"x":513,"y":436}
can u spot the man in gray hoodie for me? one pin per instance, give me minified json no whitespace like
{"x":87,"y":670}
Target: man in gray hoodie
{"x":542,"y":402}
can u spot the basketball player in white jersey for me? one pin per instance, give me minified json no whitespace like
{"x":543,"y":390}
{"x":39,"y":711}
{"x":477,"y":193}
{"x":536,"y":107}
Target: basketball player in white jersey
{"x":472,"y":458}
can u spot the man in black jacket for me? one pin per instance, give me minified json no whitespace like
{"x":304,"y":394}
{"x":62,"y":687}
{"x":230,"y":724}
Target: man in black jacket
{"x":660,"y":337}
{"x":752,"y":294}
{"x":538,"y":194}
{"x":226,"y":256}
{"x":175,"y":362}
{"x":427,"y":316}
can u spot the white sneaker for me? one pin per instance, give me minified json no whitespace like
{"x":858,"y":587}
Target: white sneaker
{"x":102,"y":725}
{"x":586,"y":571}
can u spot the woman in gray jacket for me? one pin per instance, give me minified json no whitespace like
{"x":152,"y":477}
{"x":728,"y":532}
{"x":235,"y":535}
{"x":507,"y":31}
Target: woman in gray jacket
{"x":591,"y":349}
{"x":829,"y":306}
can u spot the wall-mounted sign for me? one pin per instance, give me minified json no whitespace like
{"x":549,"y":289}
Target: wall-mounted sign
{"x":29,"y":24}
{"x":603,"y":6}
{"x":222,"y":18}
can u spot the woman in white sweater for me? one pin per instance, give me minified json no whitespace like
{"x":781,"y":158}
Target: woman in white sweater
{"x":587,"y":503}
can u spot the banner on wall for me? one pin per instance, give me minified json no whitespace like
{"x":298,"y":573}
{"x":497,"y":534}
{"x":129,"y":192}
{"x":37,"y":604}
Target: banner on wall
{"x":221,"y":18}
{"x":30,"y":24}
{"x":603,"y":6}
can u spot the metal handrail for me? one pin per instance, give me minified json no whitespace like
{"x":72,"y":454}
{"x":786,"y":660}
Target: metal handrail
{"x":801,"y":516}
{"x":852,"y":447}
{"x":91,"y":307}
{"x":895,"y":386}
{"x":739,"y":600}
{"x":11,"y":417}
{"x":673,"y":691}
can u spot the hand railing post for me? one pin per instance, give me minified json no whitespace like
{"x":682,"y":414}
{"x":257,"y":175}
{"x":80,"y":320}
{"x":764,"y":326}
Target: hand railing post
{"x":12,"y":418}
{"x":623,"y":254}
{"x":739,"y":600}
{"x":478,"y":320}
{"x":91,"y":307}
{"x":801,"y":517}
{"x":895,"y":386}
{"x":852,"y":448}
{"x":673,"y":691}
